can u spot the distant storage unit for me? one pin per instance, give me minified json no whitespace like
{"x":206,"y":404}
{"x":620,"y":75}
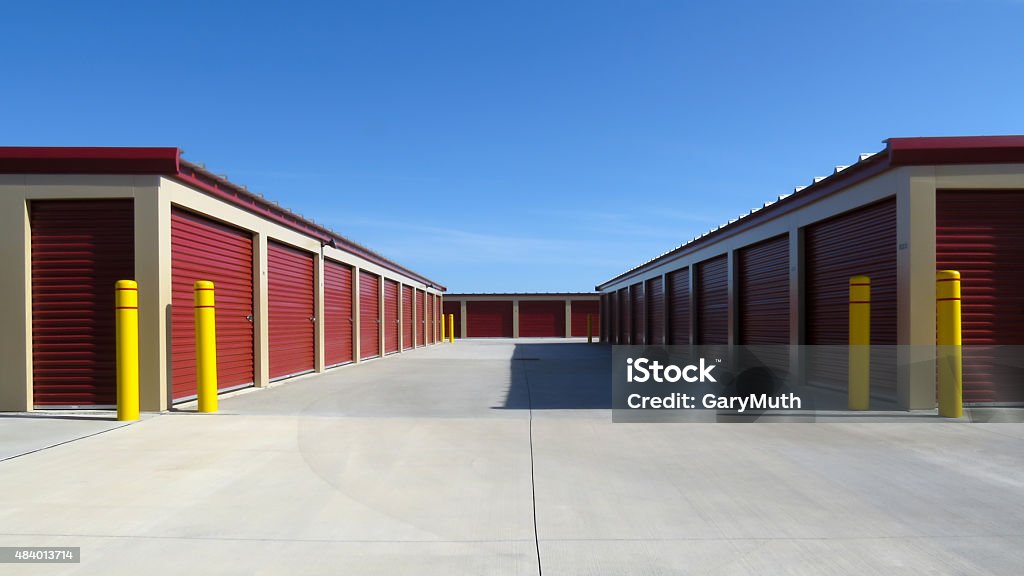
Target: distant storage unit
{"x":556,"y":315}
{"x":292,"y":297}
{"x":780,"y":274}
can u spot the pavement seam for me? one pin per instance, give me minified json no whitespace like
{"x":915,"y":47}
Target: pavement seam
{"x":67,"y":441}
{"x":533,"y":476}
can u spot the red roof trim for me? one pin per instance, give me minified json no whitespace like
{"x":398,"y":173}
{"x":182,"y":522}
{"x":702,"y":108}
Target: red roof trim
{"x":168,"y":162}
{"x":956,"y":150}
{"x":43,"y":160}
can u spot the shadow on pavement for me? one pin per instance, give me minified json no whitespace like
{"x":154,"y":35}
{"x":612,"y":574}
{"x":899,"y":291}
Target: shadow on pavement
{"x":560,"y":376}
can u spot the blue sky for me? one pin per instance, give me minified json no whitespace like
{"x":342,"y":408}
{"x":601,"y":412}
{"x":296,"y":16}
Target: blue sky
{"x":512,"y":146}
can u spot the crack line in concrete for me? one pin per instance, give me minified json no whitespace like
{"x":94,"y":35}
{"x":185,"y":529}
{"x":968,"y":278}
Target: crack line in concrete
{"x":533,"y":476}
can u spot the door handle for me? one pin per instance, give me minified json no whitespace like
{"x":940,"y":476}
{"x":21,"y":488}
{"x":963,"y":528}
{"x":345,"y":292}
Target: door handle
{"x":312,"y":318}
{"x":249,"y":317}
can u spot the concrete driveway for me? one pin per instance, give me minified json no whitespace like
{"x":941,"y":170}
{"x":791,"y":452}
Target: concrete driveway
{"x":500,"y":457}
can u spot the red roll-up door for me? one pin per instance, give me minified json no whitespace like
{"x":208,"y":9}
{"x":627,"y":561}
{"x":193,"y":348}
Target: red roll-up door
{"x":979,"y":234}
{"x":429,"y":303}
{"x":80,"y":249}
{"x":541,"y":318}
{"x":579,"y":312}
{"x":408,"y":324}
{"x":860,"y":242}
{"x":202,"y":249}
{"x":764,"y":292}
{"x":290,"y":292}
{"x":489,"y":319}
{"x":713,"y":301}
{"x":369,"y":315}
{"x":421,"y":319}
{"x":679,"y":306}
{"x":437,"y":317}
{"x":391,"y":323}
{"x":625,"y":327}
{"x":638,"y":313}
{"x":339,"y":325}
{"x":655,"y":292}
{"x":454,"y":308}
{"x":611,"y":298}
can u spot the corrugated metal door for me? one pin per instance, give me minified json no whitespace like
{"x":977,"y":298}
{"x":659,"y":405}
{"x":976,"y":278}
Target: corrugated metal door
{"x":202,"y":249}
{"x":764,"y":292}
{"x":580,"y":310}
{"x":437,"y":318}
{"x":860,"y":242}
{"x":290,"y":292}
{"x":638,"y":312}
{"x":369,"y":315}
{"x":80,"y":249}
{"x":428,"y":310}
{"x":679,"y":306}
{"x":407,"y":318}
{"x":625,"y":327}
{"x":655,"y":311}
{"x":541,"y":318}
{"x":454,"y":308}
{"x":713,"y":301}
{"x":391,"y":323}
{"x":980,"y":234}
{"x":613,"y":317}
{"x":489,"y":319}
{"x":339,"y":325}
{"x":421,"y":319}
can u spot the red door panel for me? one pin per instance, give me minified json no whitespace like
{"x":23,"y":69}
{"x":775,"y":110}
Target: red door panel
{"x":622,"y":303}
{"x":541,"y":318}
{"x":860,"y":242}
{"x":679,"y":306}
{"x":80,"y":249}
{"x":489,"y":319}
{"x":638,"y":303}
{"x":369,"y":315}
{"x":391,"y":323}
{"x":580,"y":310}
{"x":655,"y":311}
{"x":764,"y":292}
{"x":202,"y":249}
{"x":979,"y":234}
{"x":408,"y":325}
{"x":713,"y":301}
{"x":291,"y":325}
{"x":421,"y":318}
{"x":338,"y":322}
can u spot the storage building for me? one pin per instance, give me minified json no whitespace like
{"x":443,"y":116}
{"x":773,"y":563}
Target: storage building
{"x":292,"y":296}
{"x":779,"y":274}
{"x":554,"y":315}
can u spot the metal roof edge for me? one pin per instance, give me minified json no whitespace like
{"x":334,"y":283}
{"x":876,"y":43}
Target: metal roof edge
{"x":167,"y":161}
{"x":899,"y":151}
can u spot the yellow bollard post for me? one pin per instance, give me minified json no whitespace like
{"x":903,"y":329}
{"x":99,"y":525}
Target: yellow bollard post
{"x":444,"y":328}
{"x":859,"y":367}
{"x":126,"y":312}
{"x":451,"y":328}
{"x":947,"y":301}
{"x":206,"y":346}
{"x":590,"y":328}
